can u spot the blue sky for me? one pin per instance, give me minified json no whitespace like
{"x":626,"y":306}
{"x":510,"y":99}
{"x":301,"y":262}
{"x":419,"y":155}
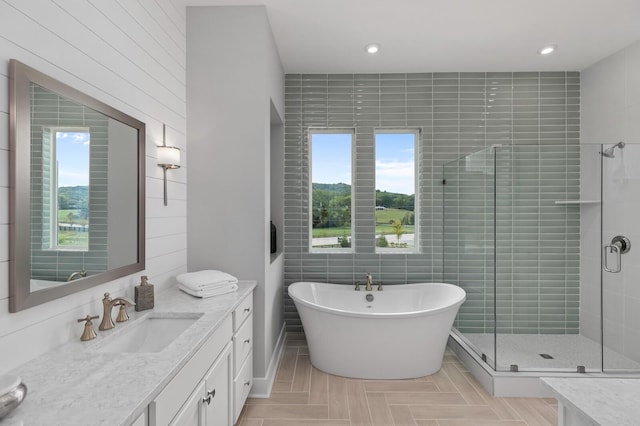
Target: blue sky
{"x":395,"y":164}
{"x":72,"y":154}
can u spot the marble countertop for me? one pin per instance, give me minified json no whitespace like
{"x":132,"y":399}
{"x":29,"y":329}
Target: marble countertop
{"x":76,"y":385}
{"x":604,"y":400}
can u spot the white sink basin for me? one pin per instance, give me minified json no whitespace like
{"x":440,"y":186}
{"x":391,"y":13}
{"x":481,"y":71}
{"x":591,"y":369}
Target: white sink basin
{"x":149,"y":334}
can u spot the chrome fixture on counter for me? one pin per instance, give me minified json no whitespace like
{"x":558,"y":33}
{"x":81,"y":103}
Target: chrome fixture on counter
{"x":108,"y":303}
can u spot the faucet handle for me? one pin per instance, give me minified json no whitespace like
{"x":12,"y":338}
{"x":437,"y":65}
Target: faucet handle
{"x":89,"y":333}
{"x":380,"y":285}
{"x":122,"y":312}
{"x":357,"y":286}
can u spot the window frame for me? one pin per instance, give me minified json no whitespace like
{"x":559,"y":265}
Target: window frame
{"x":54,"y":226}
{"x":330,"y":130}
{"x":417,"y":132}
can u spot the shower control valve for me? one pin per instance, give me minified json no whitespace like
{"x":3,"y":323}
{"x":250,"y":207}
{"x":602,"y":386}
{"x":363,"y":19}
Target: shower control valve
{"x":619,"y":245}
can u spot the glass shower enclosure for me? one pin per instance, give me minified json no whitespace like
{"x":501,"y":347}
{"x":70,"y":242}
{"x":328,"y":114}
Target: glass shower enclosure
{"x":539,"y":236}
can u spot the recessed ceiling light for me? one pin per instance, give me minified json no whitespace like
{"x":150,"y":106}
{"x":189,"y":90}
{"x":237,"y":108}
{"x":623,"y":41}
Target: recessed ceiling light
{"x":372,"y":48}
{"x":547,"y":49}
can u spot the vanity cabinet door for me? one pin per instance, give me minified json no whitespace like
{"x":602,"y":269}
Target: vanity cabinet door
{"x":141,"y":420}
{"x":217,"y":398}
{"x":190,"y":413}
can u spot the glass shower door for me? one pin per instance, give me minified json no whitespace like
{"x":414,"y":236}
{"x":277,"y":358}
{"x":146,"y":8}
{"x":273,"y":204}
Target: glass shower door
{"x":468,"y":247}
{"x":620,"y":242}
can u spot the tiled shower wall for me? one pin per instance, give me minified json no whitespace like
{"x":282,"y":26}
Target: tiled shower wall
{"x":456,"y":113}
{"x":507,"y":216}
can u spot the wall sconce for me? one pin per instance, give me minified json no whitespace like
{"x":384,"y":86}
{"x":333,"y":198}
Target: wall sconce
{"x":168,"y":158}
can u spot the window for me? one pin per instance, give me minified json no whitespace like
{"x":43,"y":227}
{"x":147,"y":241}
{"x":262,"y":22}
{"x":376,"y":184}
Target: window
{"x":395,"y":187}
{"x":331,"y":189}
{"x":68,"y":195}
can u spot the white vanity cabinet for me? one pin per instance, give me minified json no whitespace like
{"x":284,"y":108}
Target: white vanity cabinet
{"x":212,"y":387}
{"x":209,"y":404}
{"x":242,"y":354}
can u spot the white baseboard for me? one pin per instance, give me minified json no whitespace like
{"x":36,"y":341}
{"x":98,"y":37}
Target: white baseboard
{"x":261,"y":387}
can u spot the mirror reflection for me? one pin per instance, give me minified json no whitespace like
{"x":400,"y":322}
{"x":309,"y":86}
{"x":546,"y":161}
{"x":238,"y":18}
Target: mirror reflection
{"x":79,"y":194}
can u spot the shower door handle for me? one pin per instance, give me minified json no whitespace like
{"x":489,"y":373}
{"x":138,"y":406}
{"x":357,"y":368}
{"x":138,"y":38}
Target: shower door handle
{"x":612,"y":249}
{"x":619,"y":245}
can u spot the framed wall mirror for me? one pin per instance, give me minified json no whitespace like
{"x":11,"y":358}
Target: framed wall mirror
{"x":77,"y":193}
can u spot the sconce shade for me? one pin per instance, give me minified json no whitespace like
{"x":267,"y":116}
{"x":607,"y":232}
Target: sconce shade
{"x":169,"y":157}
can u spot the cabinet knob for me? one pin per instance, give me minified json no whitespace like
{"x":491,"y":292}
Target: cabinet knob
{"x":211,"y":394}
{"x":247,"y":340}
{"x":247,"y":383}
{"x":247,"y":309}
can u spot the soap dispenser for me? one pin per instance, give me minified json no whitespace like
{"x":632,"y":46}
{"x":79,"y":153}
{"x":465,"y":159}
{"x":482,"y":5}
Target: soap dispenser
{"x":144,"y":294}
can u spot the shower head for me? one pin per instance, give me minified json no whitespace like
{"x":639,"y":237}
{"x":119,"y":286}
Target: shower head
{"x":609,"y":151}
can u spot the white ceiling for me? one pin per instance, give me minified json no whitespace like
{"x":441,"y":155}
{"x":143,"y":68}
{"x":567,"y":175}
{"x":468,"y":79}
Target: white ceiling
{"x":328,"y":36}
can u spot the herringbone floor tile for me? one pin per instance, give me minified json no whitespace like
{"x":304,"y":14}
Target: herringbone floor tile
{"x":305,"y":396}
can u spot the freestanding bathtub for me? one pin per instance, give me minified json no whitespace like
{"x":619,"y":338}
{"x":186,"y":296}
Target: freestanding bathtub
{"x":400,"y":334}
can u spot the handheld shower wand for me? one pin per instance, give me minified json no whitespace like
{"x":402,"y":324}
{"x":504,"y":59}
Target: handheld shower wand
{"x":609,"y":151}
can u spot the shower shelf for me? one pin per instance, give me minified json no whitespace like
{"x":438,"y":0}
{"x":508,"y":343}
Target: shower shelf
{"x":569,"y":202}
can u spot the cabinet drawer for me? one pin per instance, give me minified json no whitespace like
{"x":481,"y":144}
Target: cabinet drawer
{"x":242,"y":344}
{"x":242,"y":386}
{"x":168,"y":402}
{"x":242,"y":312}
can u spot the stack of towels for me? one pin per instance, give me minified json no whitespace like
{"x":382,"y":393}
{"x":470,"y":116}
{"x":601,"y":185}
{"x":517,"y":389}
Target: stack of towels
{"x":207,"y":283}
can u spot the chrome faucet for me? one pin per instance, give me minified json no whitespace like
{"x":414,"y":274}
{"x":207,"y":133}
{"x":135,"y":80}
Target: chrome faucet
{"x":76,"y":275}
{"x":369,"y":282}
{"x":108,"y":303}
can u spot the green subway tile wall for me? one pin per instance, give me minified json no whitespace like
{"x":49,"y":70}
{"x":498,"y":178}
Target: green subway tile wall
{"x":457,"y":114}
{"x":501,"y":221}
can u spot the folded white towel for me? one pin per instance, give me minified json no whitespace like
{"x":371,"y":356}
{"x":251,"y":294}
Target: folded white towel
{"x":214,"y":286}
{"x":205,"y":279}
{"x":204,"y":294}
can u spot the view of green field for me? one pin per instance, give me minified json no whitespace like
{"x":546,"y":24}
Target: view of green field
{"x":76,"y":218}
{"x":383,"y":225}
{"x":68,"y":238}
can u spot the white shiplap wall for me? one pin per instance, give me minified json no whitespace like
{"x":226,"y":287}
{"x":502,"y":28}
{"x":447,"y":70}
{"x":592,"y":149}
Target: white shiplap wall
{"x":129,"y":54}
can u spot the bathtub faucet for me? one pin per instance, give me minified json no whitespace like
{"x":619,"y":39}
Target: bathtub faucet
{"x":369,"y":282}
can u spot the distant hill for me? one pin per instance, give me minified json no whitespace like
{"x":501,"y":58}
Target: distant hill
{"x":383,"y":198}
{"x":339,"y":188}
{"x":73,"y":197}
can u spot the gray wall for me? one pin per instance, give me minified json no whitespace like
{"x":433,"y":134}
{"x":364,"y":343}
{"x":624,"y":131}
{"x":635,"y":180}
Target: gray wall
{"x":610,"y":113}
{"x":457,"y":113}
{"x":233,"y":77}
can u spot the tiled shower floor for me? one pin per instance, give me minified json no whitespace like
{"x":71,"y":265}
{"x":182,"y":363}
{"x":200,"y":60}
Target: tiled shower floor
{"x":567,"y":352}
